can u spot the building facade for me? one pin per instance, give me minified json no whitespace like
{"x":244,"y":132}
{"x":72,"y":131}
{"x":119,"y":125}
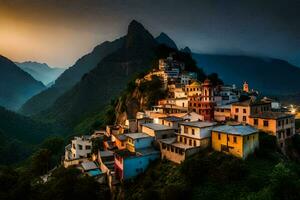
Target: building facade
{"x":239,"y":140}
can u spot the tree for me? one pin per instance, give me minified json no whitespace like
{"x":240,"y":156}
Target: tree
{"x":41,"y":162}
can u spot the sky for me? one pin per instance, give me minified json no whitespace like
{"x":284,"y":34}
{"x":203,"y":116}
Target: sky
{"x":59,"y":32}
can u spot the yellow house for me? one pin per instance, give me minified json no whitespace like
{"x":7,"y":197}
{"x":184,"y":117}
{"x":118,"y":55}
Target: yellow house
{"x":237,"y":140}
{"x":278,"y":124}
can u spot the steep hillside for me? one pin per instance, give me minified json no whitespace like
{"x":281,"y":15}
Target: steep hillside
{"x":16,"y":86}
{"x":166,"y":40}
{"x":70,"y":77}
{"x":18,"y":134}
{"x":270,"y":76}
{"x":41,"y":71}
{"x":107,"y":80}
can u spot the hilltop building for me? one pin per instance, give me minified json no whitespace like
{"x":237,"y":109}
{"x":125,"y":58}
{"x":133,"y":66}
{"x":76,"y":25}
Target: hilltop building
{"x":241,"y":111}
{"x":239,"y":140}
{"x":193,"y":137}
{"x":246,"y":87}
{"x":204,"y":103}
{"x":136,"y":157}
{"x":278,"y":124}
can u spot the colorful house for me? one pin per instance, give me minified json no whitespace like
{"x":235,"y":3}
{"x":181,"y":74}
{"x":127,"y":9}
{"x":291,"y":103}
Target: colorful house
{"x":237,"y":140}
{"x":137,"y":141}
{"x":278,"y":124}
{"x":158,"y":131}
{"x":241,"y":111}
{"x":130,"y":164}
{"x":193,"y":137}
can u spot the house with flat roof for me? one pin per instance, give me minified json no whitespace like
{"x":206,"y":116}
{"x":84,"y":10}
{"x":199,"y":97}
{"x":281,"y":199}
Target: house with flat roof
{"x":171,"y":121}
{"x":240,"y":111}
{"x":222,"y":113}
{"x":236,"y":140}
{"x":137,"y":141}
{"x":193,"y":137}
{"x":158,"y":131}
{"x":278,"y":124}
{"x":119,"y":140}
{"x":130,"y":164}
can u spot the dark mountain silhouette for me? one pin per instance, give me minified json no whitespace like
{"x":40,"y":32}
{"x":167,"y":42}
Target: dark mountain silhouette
{"x":16,"y":86}
{"x":70,"y":77}
{"x":41,"y":71}
{"x":107,"y":80}
{"x":166,"y":40}
{"x":186,"y":50}
{"x":268,"y":75}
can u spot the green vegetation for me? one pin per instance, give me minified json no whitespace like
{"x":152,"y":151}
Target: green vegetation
{"x":211,"y":175}
{"x":64,"y":184}
{"x":19,"y":136}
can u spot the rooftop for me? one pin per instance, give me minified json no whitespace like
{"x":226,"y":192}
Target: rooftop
{"x":172,"y":118}
{"x":227,"y":106}
{"x":250,"y":102}
{"x":121,"y":137}
{"x":157,"y":127}
{"x":199,"y":124}
{"x":89,"y":166}
{"x":271,"y":115}
{"x":137,"y":135}
{"x":106,"y":153}
{"x":236,"y":130}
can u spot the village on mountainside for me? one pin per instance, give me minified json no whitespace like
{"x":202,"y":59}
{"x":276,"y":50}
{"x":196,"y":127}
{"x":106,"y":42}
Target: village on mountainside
{"x":193,"y":117}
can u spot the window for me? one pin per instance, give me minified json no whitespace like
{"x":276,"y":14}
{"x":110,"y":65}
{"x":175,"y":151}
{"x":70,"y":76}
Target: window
{"x":87,"y":147}
{"x":74,"y":147}
{"x":195,"y":144}
{"x":279,"y":135}
{"x":190,"y":142}
{"x":279,"y":123}
{"x":234,"y":139}
{"x":244,"y":110}
{"x":244,"y":118}
{"x":236,"y":110}
{"x":219,"y":136}
{"x":185,"y":130}
{"x":185,"y":141}
{"x":236,"y":117}
{"x":288,"y":132}
{"x":256,"y":122}
{"x":287,"y":121}
{"x":193,"y":132}
{"x":80,"y":147}
{"x":266,"y":123}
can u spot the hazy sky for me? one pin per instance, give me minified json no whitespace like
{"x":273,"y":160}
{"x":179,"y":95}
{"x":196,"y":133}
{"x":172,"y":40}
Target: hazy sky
{"x":58,"y":32}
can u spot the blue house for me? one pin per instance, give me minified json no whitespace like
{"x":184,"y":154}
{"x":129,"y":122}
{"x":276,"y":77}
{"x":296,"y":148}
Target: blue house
{"x":136,"y":157}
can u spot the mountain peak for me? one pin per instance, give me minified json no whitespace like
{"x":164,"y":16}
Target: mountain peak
{"x":186,"y":50}
{"x":163,"y":38}
{"x":138,"y":36}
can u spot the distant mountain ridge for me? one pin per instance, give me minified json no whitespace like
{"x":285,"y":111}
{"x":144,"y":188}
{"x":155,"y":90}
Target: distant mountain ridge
{"x":16,"y":85}
{"x":70,"y":77}
{"x":40,"y":71}
{"x":268,"y":75}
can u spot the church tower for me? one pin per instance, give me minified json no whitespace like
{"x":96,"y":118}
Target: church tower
{"x":246,"y":87}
